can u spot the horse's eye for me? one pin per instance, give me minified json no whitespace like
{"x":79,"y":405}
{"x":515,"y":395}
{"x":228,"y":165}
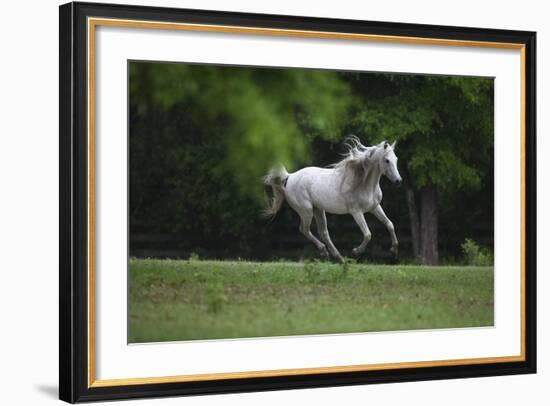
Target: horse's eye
{"x":387,"y":161}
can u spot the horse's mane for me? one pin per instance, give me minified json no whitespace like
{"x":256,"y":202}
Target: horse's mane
{"x":358,"y":160}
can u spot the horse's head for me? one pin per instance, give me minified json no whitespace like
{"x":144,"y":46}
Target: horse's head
{"x":388,"y":163}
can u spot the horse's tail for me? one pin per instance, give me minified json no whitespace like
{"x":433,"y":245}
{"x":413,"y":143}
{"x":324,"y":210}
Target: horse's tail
{"x":276,"y":179}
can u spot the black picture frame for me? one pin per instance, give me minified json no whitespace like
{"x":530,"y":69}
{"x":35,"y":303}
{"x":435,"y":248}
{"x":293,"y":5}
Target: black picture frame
{"x":74,"y":199}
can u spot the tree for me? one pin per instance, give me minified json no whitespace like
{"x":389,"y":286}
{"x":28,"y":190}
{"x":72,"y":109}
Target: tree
{"x":444,"y":128}
{"x":202,"y":137}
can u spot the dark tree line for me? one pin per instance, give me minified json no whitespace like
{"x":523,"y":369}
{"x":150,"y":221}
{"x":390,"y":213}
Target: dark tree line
{"x":201,"y":137}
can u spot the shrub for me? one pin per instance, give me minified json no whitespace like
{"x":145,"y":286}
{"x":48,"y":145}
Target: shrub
{"x":476,"y":255}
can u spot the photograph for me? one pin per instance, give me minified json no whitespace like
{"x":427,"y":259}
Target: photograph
{"x":289,"y":201}
{"x":253,"y":201}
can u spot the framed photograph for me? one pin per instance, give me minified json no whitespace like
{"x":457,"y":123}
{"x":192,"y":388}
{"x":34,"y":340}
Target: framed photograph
{"x":256,"y":202}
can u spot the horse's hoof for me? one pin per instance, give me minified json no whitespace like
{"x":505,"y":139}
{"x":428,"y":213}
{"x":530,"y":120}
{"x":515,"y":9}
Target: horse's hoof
{"x":355,"y":252}
{"x":394,"y":255}
{"x":324,"y":254}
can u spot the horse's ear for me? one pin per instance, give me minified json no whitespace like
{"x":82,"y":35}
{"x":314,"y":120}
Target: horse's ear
{"x":385,"y":145}
{"x":394,"y":144}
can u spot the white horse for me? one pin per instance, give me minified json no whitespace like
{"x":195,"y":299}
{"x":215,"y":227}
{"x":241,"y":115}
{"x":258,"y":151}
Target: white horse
{"x":350,"y":186}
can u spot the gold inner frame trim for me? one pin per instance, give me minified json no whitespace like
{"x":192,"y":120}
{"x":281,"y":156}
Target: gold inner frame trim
{"x":299,"y":371}
{"x":94,"y":22}
{"x":297,"y":33}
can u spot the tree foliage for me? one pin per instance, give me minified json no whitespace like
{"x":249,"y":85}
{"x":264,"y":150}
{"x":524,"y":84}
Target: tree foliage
{"x":444,"y":125}
{"x":202,"y":136}
{"x":258,"y":116}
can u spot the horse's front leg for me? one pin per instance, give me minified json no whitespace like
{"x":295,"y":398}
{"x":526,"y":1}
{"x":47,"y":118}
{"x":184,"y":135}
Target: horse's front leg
{"x":380,"y":215}
{"x":361,"y":222}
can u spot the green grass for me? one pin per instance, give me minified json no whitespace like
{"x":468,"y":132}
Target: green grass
{"x":173,"y":300}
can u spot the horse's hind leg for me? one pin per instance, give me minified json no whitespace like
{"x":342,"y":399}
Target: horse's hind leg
{"x":322,"y":229}
{"x":305,"y":229}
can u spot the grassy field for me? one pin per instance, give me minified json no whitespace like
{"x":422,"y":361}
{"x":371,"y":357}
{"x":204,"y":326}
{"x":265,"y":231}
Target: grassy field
{"x":173,"y":300}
